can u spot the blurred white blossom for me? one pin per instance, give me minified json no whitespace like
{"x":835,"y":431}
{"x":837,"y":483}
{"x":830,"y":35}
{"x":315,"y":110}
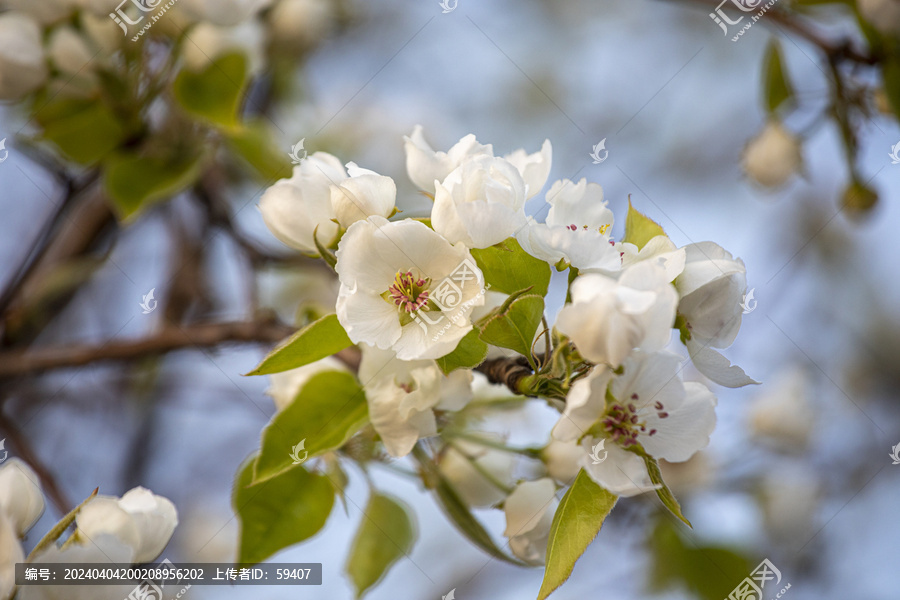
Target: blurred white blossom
{"x":529,"y":514}
{"x":772,"y":156}
{"x":21,"y":498}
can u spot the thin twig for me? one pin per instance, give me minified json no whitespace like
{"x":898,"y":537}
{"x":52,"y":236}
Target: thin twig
{"x":14,"y":363}
{"x":48,"y":481}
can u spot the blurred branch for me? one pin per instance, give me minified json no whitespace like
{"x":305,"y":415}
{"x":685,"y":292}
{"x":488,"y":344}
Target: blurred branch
{"x":77,"y":231}
{"x":838,"y":49}
{"x":48,"y":482}
{"x":171,"y":338}
{"x":504,"y":371}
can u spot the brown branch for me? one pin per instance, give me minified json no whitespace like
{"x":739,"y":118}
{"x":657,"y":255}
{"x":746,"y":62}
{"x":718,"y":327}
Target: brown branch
{"x":506,"y":371}
{"x":48,"y":481}
{"x":15,"y":363}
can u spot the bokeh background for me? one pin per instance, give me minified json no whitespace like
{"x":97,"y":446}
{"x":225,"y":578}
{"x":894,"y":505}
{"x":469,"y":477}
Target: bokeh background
{"x":798,"y":468}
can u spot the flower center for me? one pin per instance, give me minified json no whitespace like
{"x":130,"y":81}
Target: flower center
{"x":408,"y":292}
{"x":602,"y":229}
{"x":624,"y":424}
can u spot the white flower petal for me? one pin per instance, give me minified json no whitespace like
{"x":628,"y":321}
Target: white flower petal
{"x":687,"y":427}
{"x":623,"y":473}
{"x":20,"y":494}
{"x":425,"y":166}
{"x":718,"y":368}
{"x":363,"y":194}
{"x":535,"y":168}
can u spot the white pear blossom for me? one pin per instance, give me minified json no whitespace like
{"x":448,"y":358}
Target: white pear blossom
{"x":712,"y":287}
{"x":403,"y":395}
{"x":647,"y":405}
{"x":301,"y":22}
{"x":140,"y":519}
{"x":285,"y":386}
{"x":44,"y":12}
{"x":364,"y":194}
{"x":22,"y":63}
{"x":609,"y":318}
{"x":406,"y":288}
{"x":479,"y":474}
{"x":21,"y":498}
{"x":481,"y":203}
{"x":101,"y":31}
{"x":425,"y":166}
{"x":783,"y":413}
{"x":772,"y":156}
{"x":10,"y":553}
{"x":577,"y":229}
{"x":294,"y":208}
{"x":529,"y":514}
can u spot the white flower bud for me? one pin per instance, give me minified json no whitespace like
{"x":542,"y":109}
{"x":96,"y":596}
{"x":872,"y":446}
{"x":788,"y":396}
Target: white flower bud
{"x":563,"y":460}
{"x":140,"y":519}
{"x":883,"y":15}
{"x":22,"y":66}
{"x":783,"y":414}
{"x":20,"y":495}
{"x":70,"y":53}
{"x":286,"y":385}
{"x":469,"y":480}
{"x":772,"y":156}
{"x":301,"y":22}
{"x":529,"y":514}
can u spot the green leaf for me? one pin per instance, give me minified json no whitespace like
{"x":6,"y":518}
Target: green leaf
{"x":515,"y":327}
{"x":60,"y":528}
{"x":709,"y":572}
{"x":133,"y":182}
{"x":85,"y":131}
{"x":214,"y":94}
{"x":575,"y":525}
{"x":330,"y":408}
{"x":469,"y":353}
{"x":386,"y":534}
{"x":255,"y":143}
{"x":508,"y":268}
{"x":664,"y":493}
{"x":640,"y":229}
{"x":777,"y":88}
{"x":279,"y":512}
{"x":314,"y":342}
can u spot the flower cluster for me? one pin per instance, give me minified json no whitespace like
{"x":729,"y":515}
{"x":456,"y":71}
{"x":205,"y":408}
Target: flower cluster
{"x":476,"y":270}
{"x":132,"y":529}
{"x":71,"y":43}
